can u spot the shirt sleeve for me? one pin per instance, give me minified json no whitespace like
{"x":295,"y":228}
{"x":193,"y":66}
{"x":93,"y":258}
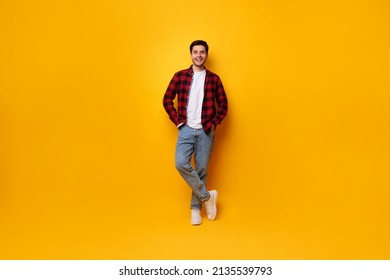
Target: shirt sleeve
{"x":222,"y":103}
{"x":169,"y":96}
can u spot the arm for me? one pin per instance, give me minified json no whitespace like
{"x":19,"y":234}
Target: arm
{"x":222,"y":103}
{"x":168,"y":104}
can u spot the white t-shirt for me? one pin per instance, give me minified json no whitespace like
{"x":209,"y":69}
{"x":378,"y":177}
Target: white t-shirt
{"x":195,"y":100}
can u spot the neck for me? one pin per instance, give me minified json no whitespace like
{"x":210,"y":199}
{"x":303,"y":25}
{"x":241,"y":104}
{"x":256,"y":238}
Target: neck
{"x":197,"y":68}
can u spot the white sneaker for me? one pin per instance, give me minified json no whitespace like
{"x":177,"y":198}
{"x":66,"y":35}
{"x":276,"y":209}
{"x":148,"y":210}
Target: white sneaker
{"x":196,"y":218}
{"x":211,"y":205}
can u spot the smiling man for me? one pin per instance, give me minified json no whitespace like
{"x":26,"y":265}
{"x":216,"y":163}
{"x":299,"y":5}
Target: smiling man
{"x":201,"y":106}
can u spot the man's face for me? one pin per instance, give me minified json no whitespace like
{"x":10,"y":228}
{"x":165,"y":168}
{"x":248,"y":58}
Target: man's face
{"x":199,"y":55}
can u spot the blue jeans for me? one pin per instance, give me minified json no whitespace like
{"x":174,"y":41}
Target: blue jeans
{"x":194,"y":142}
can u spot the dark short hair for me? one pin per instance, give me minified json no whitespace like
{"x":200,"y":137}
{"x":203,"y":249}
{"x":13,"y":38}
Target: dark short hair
{"x":199,"y":42}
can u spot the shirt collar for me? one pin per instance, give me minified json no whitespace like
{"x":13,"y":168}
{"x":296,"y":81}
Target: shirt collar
{"x":191,"y":71}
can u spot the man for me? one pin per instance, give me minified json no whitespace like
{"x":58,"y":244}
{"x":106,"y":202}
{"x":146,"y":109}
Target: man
{"x":198,"y":91}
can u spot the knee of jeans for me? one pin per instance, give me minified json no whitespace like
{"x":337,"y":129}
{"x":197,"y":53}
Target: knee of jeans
{"x":182,"y":165}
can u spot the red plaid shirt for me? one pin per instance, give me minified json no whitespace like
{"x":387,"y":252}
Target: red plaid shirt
{"x":214,"y":94}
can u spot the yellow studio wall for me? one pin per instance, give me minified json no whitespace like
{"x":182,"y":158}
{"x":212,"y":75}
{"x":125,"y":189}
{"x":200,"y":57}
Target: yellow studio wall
{"x":86,"y":150}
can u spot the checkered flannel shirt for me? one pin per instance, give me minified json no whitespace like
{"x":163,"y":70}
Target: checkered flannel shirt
{"x":214,"y":94}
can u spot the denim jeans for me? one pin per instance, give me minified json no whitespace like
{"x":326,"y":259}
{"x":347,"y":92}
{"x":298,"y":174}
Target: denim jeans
{"x":194,"y":142}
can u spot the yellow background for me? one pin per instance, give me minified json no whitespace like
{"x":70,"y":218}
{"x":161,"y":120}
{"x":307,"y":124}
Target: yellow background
{"x":87,"y":151}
